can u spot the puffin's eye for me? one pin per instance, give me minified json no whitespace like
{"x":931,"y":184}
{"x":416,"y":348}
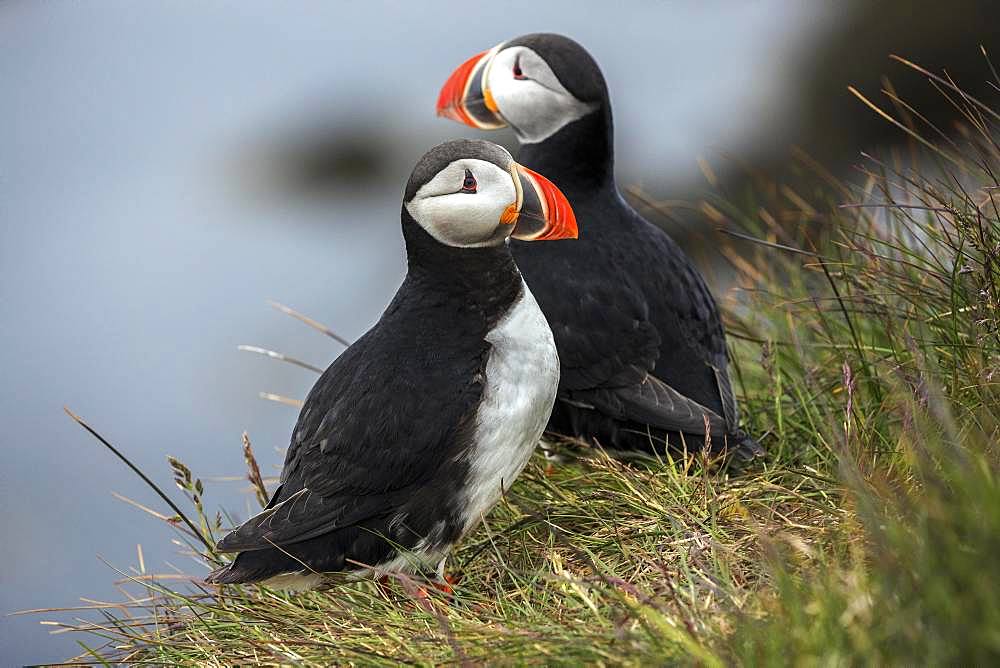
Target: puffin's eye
{"x":518,"y":74}
{"x":469,"y":184}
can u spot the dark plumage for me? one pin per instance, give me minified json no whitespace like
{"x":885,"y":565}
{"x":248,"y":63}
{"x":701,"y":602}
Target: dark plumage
{"x":379,"y":461}
{"x":641,"y":344}
{"x":346,"y":452}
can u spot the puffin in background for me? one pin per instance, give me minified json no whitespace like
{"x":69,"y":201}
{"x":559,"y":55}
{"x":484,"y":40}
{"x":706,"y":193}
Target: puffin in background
{"x":641,"y":344}
{"x":411,"y":435}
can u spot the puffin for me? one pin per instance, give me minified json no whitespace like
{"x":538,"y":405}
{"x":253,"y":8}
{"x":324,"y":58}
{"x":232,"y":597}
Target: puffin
{"x":413,"y":433}
{"x":642,"y":346}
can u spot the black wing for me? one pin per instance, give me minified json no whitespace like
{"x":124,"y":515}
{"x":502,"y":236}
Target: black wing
{"x":647,"y":345}
{"x":699,"y":332}
{"x":376,"y":428}
{"x":655,"y":403}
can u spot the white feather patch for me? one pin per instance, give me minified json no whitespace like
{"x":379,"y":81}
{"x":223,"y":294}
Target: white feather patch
{"x":522,"y":376}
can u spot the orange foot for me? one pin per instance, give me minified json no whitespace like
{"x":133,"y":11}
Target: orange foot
{"x":382,"y":585}
{"x":444,"y":587}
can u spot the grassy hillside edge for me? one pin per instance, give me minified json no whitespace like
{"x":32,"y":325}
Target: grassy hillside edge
{"x":864,"y":333}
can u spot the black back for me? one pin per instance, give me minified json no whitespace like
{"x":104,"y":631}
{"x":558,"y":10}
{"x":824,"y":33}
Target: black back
{"x":640,"y":339}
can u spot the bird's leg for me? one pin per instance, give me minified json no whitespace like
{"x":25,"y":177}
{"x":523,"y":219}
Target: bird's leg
{"x":444,"y":581}
{"x":552,"y":457}
{"x":382,"y":585}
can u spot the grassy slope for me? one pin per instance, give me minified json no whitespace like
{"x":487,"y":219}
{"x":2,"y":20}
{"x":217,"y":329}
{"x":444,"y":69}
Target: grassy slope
{"x":866,"y":349}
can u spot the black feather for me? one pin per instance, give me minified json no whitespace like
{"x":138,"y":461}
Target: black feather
{"x":641,"y":343}
{"x":382,"y":433}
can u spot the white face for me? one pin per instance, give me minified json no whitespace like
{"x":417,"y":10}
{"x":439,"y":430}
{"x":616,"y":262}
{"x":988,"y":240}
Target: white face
{"x":529,"y":95}
{"x":456,"y":216}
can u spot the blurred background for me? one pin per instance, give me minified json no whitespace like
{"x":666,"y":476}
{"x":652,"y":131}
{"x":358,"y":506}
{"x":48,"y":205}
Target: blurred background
{"x":167,"y":169}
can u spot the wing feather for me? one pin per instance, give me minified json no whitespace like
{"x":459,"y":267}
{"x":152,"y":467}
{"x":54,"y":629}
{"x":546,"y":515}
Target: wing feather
{"x":375,"y":430}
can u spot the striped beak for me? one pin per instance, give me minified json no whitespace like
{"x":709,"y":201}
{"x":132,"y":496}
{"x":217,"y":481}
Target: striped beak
{"x":541,"y":212}
{"x":465,"y":96}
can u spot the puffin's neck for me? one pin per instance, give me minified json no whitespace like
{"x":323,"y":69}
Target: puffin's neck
{"x":579,"y":157}
{"x":484,"y":278}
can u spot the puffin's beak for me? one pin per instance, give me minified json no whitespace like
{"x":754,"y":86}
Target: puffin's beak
{"x":541,"y":212}
{"x":465,"y":96}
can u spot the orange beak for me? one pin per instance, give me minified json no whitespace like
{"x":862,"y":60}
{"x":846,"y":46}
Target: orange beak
{"x":465,"y":96}
{"x":542,"y":212}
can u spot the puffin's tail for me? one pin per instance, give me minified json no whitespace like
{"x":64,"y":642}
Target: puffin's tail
{"x":743,"y":449}
{"x":233,"y":573}
{"x":226,"y":575}
{"x":254,"y":566}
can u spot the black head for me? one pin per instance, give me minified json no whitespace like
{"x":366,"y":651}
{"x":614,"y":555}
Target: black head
{"x":438,"y":158}
{"x":572,"y":64}
{"x":471,"y":194}
{"x":537,"y":84}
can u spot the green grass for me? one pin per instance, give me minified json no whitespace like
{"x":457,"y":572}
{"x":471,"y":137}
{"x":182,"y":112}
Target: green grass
{"x":867,"y":353}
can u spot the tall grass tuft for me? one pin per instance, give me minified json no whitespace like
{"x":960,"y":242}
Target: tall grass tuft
{"x":865,"y":333}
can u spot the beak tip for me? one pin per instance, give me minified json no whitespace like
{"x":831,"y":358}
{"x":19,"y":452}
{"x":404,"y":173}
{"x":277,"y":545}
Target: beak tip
{"x":451,"y":113}
{"x":475,"y":108}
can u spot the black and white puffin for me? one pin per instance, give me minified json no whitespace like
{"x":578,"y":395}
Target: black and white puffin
{"x":413,"y":433}
{"x":642,"y":346}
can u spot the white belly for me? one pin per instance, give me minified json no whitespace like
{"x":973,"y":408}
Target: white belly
{"x":522,"y":376}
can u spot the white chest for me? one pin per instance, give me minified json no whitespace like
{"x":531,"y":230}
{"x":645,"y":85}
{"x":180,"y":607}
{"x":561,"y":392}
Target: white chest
{"x":522,"y":376}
